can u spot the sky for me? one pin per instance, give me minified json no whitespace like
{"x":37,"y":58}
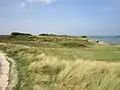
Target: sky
{"x":74,"y":17}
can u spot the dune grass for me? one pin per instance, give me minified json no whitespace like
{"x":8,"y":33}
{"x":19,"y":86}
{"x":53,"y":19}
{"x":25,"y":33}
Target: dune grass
{"x":0,"y":70}
{"x":45,"y":69}
{"x":61,"y":67}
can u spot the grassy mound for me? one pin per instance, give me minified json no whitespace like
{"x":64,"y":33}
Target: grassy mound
{"x":47,"y":41}
{"x":62,"y":63}
{"x":38,"y":70}
{"x":72,"y":44}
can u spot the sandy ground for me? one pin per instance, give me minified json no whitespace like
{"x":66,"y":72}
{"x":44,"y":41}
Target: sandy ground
{"x":4,"y":72}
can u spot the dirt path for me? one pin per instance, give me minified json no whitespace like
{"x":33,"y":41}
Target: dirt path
{"x":4,"y":72}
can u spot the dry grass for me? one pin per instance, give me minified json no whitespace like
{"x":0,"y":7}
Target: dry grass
{"x":39,"y":71}
{"x":75,"y":75}
{"x":0,"y":69}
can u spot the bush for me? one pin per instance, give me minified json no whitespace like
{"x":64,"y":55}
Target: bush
{"x":44,"y":34}
{"x":72,"y":44}
{"x":84,"y":36}
{"x":17,"y":33}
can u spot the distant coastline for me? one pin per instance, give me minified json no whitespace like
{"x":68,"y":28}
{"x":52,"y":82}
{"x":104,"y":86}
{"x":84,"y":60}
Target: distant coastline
{"x":108,"y":39}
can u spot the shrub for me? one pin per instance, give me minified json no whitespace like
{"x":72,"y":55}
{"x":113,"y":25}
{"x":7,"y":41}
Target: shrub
{"x":84,"y":36}
{"x":17,"y":33}
{"x":72,"y":44}
{"x":44,"y":34}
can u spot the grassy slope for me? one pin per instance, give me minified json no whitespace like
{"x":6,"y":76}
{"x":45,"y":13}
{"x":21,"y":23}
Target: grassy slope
{"x":56,"y":66}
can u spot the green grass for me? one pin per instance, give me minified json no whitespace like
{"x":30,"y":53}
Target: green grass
{"x":45,"y":64}
{"x":46,"y":41}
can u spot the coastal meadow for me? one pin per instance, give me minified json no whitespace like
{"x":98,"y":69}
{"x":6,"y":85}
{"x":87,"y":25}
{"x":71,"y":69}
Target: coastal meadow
{"x":66,"y":66}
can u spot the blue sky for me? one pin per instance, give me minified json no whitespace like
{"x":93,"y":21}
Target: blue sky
{"x":76,"y":17}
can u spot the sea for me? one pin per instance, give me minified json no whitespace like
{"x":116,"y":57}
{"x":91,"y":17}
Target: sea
{"x":108,"y":39}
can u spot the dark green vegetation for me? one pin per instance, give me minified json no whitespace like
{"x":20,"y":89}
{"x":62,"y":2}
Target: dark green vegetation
{"x":45,"y":40}
{"x":62,"y":63}
{"x":17,"y":33}
{"x":84,"y":36}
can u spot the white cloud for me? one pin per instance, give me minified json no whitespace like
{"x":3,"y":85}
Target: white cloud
{"x":27,"y":2}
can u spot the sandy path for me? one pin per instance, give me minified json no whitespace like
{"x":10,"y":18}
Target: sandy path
{"x":4,"y":71}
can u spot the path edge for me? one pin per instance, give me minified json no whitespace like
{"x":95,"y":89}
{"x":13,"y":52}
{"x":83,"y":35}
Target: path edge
{"x":12,"y":77}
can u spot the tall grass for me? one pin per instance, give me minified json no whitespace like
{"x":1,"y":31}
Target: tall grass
{"x":47,"y":41}
{"x":38,"y":69}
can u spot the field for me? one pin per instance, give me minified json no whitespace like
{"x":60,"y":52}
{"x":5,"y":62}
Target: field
{"x":63,"y":63}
